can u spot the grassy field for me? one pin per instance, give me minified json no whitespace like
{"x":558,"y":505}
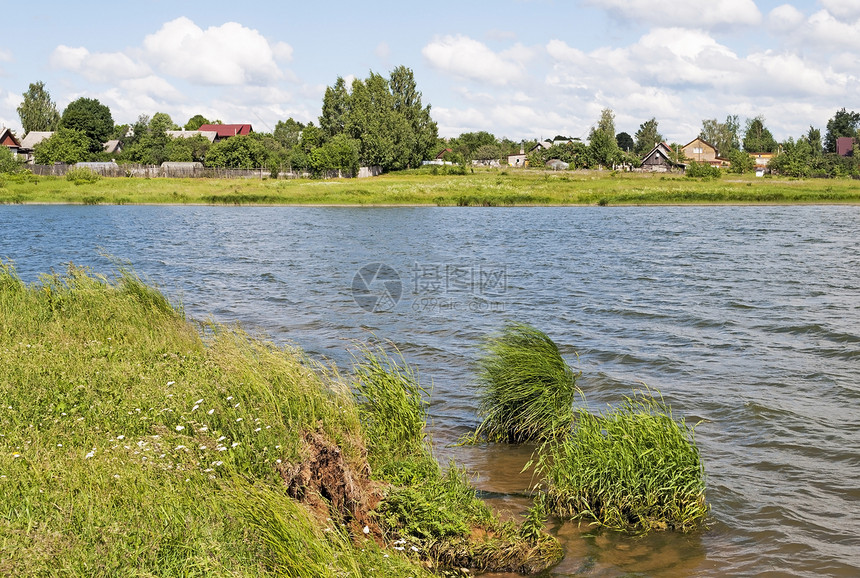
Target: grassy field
{"x":483,"y":187}
{"x":136,"y":443}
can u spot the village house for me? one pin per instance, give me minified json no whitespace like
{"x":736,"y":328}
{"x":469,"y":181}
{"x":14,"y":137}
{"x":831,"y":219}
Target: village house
{"x":702,"y":151}
{"x":8,"y":139}
{"x":845,"y":146}
{"x":223,"y":131}
{"x":209,"y":135}
{"x":659,"y":160}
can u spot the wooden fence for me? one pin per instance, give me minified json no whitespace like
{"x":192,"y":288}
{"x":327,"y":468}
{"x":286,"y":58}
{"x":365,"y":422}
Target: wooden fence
{"x":156,"y":171}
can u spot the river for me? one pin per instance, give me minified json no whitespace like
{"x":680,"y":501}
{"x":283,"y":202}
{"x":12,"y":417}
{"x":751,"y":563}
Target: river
{"x":747,"y":319}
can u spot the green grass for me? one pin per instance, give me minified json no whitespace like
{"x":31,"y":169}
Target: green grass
{"x":134,"y":442}
{"x":635,"y":467}
{"x":483,"y":187}
{"x":526,"y":388}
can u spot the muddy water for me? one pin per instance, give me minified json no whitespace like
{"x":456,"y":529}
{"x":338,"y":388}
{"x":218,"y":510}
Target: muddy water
{"x":746,"y":318}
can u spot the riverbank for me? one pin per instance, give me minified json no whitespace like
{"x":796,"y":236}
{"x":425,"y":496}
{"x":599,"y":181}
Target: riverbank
{"x":483,"y":187}
{"x":135,"y":442}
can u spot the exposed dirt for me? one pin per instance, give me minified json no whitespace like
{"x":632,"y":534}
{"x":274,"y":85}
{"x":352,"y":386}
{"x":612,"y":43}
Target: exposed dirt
{"x":330,"y":485}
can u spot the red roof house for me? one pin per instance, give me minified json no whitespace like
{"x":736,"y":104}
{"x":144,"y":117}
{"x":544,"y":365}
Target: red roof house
{"x":227,"y":130}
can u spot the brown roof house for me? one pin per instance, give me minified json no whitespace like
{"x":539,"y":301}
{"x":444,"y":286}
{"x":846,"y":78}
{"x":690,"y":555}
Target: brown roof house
{"x":8,"y":139}
{"x":704,"y":152}
{"x":659,"y":160}
{"x":845,"y":146}
{"x":223,"y":131}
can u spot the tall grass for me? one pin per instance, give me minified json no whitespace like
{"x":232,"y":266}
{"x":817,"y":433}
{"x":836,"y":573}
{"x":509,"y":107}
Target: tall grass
{"x":133,"y":443}
{"x":526,"y":388}
{"x":635,"y":467}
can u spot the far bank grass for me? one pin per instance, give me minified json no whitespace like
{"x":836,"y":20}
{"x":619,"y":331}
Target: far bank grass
{"x":483,"y":187}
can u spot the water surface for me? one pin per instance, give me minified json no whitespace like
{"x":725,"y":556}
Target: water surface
{"x":744,"y":317}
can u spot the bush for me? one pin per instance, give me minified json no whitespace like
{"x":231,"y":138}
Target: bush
{"x":634,"y":468}
{"x":526,"y":387}
{"x":702,"y":170}
{"x":81,"y":175}
{"x":8,"y":163}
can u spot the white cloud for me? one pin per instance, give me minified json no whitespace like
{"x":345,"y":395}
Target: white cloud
{"x":785,"y":18}
{"x":230,"y":54}
{"x":382,"y":51}
{"x":5,"y":55}
{"x":848,"y":10}
{"x":692,"y":13}
{"x":99,"y":66}
{"x":467,"y":58}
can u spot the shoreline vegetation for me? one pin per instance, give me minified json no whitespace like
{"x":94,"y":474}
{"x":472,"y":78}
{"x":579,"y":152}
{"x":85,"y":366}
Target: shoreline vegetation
{"x":134,"y":441}
{"x":437,"y":186}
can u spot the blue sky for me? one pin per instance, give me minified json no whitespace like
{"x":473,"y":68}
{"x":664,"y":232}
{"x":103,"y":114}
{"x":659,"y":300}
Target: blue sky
{"x":516,"y":68}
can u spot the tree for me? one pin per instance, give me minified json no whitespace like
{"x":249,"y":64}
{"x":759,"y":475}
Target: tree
{"x":813,"y":137}
{"x":288,"y":132}
{"x":195,"y":122}
{"x":407,"y":103}
{"x":385,"y":116}
{"x":601,"y":142}
{"x":842,"y":124}
{"x":187,"y":149}
{"x":8,"y":163}
{"x":624,"y":141}
{"x":38,"y":112}
{"x":740,"y":162}
{"x":722,"y":135}
{"x":90,"y":117}
{"x":238,"y":152}
{"x":794,"y":160}
{"x":65,"y":146}
{"x":647,"y":137}
{"x":338,"y":154}
{"x":488,"y":153}
{"x":757,"y":138}
{"x":335,"y":109}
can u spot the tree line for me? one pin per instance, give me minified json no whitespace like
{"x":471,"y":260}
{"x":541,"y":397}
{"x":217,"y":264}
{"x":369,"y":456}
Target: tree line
{"x":379,"y":121}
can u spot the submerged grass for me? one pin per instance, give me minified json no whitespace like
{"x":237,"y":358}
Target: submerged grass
{"x":133,"y":442}
{"x":526,"y":387}
{"x":633,"y":468}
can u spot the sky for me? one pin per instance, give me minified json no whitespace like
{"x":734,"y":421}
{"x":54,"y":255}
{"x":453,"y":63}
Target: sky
{"x":520,"y":69}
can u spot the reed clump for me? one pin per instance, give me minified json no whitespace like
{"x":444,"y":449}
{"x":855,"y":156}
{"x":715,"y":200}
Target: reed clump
{"x":526,"y":388}
{"x":635,"y":467}
{"x":432,"y":512}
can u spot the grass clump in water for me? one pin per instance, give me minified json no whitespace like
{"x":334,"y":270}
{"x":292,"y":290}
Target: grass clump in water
{"x":633,"y":468}
{"x":430,"y":512}
{"x":526,"y":387}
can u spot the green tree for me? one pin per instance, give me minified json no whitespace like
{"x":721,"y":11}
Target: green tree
{"x":90,"y":117}
{"x":335,"y":109}
{"x":468,"y":143}
{"x":238,"y":152}
{"x":601,"y":142}
{"x":423,"y":131}
{"x":757,"y":138}
{"x":813,"y":137}
{"x":288,"y":132}
{"x":722,"y":135}
{"x":195,"y":122}
{"x":38,"y":112}
{"x":338,"y":154}
{"x":741,"y":162}
{"x":8,"y":163}
{"x":161,"y":122}
{"x":843,"y":123}
{"x":647,"y":137}
{"x":624,"y":141}
{"x":794,"y":160}
{"x":488,"y":153}
{"x":65,"y":146}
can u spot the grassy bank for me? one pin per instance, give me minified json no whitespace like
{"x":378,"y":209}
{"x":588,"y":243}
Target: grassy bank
{"x":483,"y":187}
{"x":133,"y":442}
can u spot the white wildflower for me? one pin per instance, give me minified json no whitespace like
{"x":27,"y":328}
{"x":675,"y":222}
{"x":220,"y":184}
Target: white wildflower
{"x":211,"y":411}
{"x":180,"y":427}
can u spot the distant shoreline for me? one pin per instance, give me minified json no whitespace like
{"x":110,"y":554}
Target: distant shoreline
{"x":484,"y":187}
